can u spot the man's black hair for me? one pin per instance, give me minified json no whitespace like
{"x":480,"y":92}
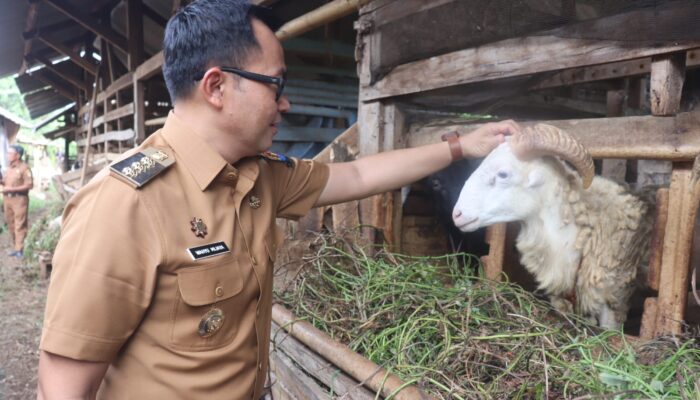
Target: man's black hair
{"x":206,"y":33}
{"x":18,"y":149}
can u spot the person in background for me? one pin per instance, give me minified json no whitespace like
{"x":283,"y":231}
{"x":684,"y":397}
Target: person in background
{"x":17,"y":182}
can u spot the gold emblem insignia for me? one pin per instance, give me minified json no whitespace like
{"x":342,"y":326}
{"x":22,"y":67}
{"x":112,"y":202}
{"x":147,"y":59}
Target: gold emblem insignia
{"x":147,"y":163}
{"x":128,"y":172}
{"x":160,"y":155}
{"x":136,"y":166}
{"x":198,"y":227}
{"x":138,"y":169}
{"x":254,"y":201}
{"x":210,"y":323}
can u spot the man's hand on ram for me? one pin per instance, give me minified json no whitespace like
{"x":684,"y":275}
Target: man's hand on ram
{"x":487,"y":137}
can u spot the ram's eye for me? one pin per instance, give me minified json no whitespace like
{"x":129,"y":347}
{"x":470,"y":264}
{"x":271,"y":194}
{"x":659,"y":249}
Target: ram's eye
{"x":502,"y":174}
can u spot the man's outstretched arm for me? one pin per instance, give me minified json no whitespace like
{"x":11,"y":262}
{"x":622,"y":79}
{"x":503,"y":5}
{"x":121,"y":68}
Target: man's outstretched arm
{"x":382,"y":172}
{"x":64,"y":378}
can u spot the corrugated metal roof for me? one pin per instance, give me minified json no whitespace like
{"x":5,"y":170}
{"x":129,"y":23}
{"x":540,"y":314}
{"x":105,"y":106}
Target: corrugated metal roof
{"x":44,"y":101}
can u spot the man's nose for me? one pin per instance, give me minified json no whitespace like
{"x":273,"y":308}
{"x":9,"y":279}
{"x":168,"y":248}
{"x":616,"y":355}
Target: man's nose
{"x":283,"y":104}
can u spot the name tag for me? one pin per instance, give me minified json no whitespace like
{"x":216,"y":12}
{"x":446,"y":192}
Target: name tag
{"x":208,"y":250}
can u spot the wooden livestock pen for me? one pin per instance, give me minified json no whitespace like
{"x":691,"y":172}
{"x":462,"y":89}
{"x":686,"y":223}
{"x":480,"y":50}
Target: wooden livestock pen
{"x":610,"y":73}
{"x":618,"y":75}
{"x":621,"y":64}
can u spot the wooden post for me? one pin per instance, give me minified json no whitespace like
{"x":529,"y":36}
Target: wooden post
{"x":369,"y":116}
{"x":648,"y":327}
{"x":493,"y":262}
{"x":673,"y":280}
{"x":139,"y":111}
{"x":667,"y":77}
{"x":381,"y":127}
{"x":657,"y":239}
{"x":134,"y":10}
{"x":91,"y":119}
{"x":615,"y":168}
{"x":666,"y":84}
{"x":66,"y":147}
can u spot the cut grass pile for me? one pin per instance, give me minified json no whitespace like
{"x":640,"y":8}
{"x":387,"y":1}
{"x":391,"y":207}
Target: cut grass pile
{"x":458,"y":336}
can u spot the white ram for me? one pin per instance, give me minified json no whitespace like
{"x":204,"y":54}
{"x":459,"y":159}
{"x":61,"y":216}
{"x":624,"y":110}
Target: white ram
{"x":584,"y":238}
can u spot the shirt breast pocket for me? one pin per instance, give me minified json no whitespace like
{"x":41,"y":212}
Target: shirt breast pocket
{"x":207,"y":308}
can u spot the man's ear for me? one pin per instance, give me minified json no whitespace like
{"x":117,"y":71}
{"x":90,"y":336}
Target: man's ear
{"x":212,"y":87}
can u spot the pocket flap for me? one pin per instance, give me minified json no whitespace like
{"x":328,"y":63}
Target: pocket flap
{"x":209,"y":284}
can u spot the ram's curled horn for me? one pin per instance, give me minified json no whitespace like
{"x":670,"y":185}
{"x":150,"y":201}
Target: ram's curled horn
{"x":545,"y":139}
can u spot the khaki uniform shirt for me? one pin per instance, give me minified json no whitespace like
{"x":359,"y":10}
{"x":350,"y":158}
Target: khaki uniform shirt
{"x":125,"y":289}
{"x":17,"y":174}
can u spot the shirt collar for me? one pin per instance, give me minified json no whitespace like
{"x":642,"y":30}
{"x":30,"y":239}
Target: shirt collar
{"x":200,"y":159}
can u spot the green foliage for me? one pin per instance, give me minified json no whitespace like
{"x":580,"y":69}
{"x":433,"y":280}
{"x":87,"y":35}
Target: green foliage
{"x":43,"y":235}
{"x":11,"y":99}
{"x":459,"y":336}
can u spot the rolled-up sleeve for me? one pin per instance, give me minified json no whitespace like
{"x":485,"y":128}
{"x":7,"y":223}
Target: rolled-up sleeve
{"x":104,"y":272}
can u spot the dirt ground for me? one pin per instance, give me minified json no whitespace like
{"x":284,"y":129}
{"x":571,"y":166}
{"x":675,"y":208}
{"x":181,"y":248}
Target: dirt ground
{"x":22,"y":299}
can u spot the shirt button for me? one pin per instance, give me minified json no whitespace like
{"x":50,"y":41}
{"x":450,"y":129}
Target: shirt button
{"x":260,"y":367}
{"x":219,"y":291}
{"x":231,"y":176}
{"x":254,"y":261}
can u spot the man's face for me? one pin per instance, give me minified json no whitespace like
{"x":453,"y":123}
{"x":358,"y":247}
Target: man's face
{"x":12,"y":155}
{"x":251,"y":105}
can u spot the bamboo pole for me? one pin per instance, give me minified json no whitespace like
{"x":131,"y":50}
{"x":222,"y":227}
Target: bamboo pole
{"x":370,"y":374}
{"x":91,"y":119}
{"x":322,"y":15}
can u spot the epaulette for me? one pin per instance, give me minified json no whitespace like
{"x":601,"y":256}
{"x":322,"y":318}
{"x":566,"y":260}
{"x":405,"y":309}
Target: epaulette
{"x":141,"y":167}
{"x":268,"y":155}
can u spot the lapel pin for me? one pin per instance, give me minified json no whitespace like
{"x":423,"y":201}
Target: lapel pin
{"x":198,"y":227}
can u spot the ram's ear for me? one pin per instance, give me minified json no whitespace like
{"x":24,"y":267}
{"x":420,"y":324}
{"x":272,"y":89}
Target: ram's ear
{"x":535,"y":178}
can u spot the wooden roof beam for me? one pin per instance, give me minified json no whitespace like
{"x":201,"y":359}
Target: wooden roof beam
{"x":66,"y":51}
{"x":329,"y":12}
{"x":56,"y":85}
{"x":89,"y":23}
{"x":153,"y":15}
{"x":74,"y":80}
{"x":32,"y":14}
{"x":134,"y":24}
{"x":65,"y":24}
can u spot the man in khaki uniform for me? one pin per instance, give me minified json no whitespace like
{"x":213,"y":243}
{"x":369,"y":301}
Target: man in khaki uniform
{"x":162,"y":279}
{"x":17,"y":181}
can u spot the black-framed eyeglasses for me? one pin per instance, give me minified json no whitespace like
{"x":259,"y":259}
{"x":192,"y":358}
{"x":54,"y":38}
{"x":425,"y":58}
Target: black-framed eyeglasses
{"x":280,"y":82}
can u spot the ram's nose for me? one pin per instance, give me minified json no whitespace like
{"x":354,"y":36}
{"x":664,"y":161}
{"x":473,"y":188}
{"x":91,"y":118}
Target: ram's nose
{"x":463,"y":221}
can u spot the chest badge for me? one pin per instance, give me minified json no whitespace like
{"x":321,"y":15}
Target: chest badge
{"x":198,"y":227}
{"x":210,"y":323}
{"x":254,"y":201}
